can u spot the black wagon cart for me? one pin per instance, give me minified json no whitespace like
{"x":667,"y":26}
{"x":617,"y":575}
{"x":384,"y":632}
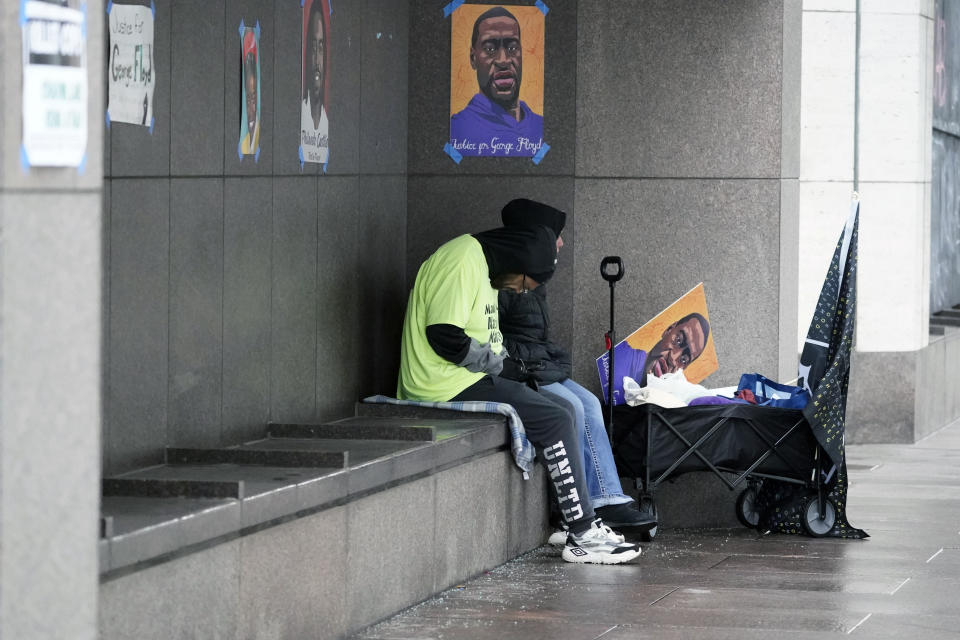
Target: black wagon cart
{"x":791,"y":462}
{"x":743,"y":445}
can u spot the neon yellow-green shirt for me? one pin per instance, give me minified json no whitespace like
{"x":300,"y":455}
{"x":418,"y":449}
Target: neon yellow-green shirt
{"x":452,"y":287}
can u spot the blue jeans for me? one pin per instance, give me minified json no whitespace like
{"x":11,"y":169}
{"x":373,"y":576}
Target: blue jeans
{"x":603,"y":483}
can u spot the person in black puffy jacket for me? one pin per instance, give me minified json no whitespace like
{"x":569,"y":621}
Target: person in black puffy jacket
{"x":525,"y":325}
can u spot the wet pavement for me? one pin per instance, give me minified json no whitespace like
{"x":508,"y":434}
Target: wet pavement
{"x":903,"y":582}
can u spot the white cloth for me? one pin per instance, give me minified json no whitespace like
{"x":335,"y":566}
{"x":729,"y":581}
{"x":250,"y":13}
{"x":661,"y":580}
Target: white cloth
{"x":313,"y":140}
{"x":676,"y":384}
{"x":635,"y":395}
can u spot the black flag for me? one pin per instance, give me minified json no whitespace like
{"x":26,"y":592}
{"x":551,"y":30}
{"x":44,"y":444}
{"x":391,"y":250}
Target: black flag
{"x":825,"y":372}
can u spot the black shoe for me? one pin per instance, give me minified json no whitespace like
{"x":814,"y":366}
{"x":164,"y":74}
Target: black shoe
{"x":625,"y":518}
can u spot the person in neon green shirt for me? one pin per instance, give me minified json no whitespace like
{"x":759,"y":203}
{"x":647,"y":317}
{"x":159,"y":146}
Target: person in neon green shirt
{"x":452,"y":349}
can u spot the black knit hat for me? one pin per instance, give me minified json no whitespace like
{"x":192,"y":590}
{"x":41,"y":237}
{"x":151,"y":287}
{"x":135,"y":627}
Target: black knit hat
{"x":530,"y":213}
{"x":530,"y":251}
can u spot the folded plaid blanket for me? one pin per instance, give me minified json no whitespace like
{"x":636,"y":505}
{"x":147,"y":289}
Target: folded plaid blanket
{"x":523,"y":451}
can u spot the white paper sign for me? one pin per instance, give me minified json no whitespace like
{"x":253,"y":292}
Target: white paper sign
{"x":54,"y":85}
{"x":130,"y":75}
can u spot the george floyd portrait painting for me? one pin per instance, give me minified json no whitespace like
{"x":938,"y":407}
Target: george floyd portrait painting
{"x":496,"y":80}
{"x":679,"y":337}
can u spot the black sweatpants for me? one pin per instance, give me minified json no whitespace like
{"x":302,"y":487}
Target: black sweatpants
{"x":549,"y":422}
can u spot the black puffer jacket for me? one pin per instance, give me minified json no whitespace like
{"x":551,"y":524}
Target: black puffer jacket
{"x":525,"y":325}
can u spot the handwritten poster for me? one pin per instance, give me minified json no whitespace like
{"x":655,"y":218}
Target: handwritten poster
{"x":496,"y":80}
{"x":130,"y":76}
{"x":54,"y":85}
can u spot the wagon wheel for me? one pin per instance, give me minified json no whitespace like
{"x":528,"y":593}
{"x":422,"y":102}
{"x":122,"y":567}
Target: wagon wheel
{"x":810,"y":517}
{"x":649,"y":505}
{"x":746,"y":508}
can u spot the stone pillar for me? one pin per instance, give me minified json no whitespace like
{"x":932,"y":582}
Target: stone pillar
{"x":50,"y":282}
{"x":892,"y":131}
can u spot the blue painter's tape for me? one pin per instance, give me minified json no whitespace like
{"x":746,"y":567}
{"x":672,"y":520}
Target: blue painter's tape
{"x":153,"y":9}
{"x":24,"y":160}
{"x":240,"y":149}
{"x":330,"y":4}
{"x":256,"y":156}
{"x":453,"y":153}
{"x":256,"y":29}
{"x":108,"y":118}
{"x":153,"y":121}
{"x":301,"y":4}
{"x":300,"y":155}
{"x":543,"y":7}
{"x":543,"y":151}
{"x":109,"y":7}
{"x":450,"y":8}
{"x":241,"y":27}
{"x":23,"y":13}
{"x":327,"y":162}
{"x":82,"y":167}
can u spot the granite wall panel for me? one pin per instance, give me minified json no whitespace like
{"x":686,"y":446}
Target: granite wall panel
{"x":292,"y":578}
{"x":383,"y":91}
{"x":197,"y":87}
{"x":410,"y":508}
{"x":890,"y":416}
{"x":197,"y":596}
{"x":381,"y":258}
{"x":704,"y":92}
{"x":348,"y":24}
{"x":338,"y":314}
{"x":138,"y":342}
{"x":196,"y":312}
{"x":247,"y":243}
{"x":294,"y":295}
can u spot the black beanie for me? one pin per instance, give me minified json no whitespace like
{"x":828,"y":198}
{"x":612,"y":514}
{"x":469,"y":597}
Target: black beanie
{"x":530,"y":251}
{"x":530,"y":213}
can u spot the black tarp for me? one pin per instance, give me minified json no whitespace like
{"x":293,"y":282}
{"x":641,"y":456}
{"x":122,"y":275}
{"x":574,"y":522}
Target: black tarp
{"x":825,"y":371}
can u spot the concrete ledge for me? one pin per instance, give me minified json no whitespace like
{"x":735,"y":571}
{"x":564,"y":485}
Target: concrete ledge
{"x":338,"y":570}
{"x":201,"y":496}
{"x":264,"y":540}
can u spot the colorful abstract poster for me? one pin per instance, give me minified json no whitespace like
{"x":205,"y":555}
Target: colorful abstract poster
{"x":496,"y":80}
{"x":315,"y":82}
{"x":130,"y":77}
{"x":678,"y":337}
{"x":250,"y":103}
{"x":54,"y":85}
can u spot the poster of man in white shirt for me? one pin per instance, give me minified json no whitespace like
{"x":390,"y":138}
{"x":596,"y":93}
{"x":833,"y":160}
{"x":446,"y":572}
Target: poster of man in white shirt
{"x":314,"y":126}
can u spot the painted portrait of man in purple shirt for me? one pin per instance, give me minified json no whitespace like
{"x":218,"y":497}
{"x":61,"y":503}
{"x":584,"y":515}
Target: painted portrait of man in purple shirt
{"x":496,"y":122}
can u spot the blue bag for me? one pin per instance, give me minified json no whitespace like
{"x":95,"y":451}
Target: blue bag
{"x":773,"y":394}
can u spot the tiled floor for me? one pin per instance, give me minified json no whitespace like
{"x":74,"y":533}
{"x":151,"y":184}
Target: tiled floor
{"x":903,"y":582}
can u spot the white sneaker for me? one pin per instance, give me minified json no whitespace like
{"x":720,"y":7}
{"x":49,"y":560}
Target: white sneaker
{"x":558,"y":538}
{"x":599,"y":545}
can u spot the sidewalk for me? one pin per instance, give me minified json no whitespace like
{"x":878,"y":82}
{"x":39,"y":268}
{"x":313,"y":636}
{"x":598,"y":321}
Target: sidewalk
{"x":903,"y":582}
